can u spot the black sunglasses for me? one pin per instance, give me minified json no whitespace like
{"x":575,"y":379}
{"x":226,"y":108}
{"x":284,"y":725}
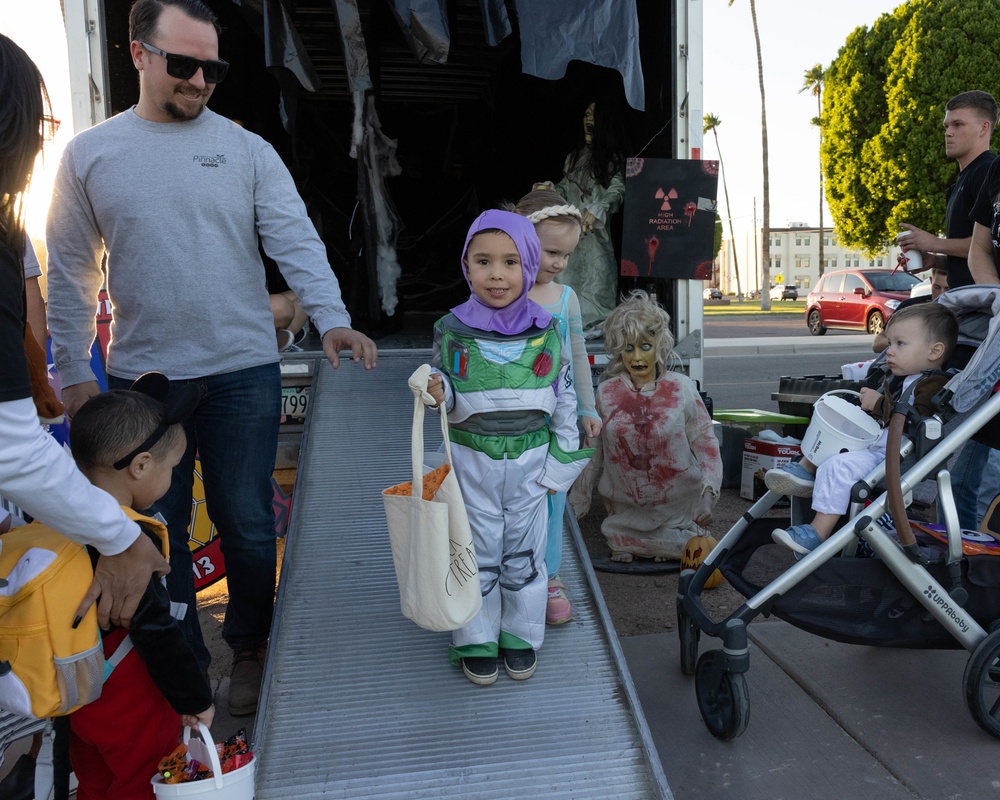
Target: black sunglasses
{"x":184,"y":67}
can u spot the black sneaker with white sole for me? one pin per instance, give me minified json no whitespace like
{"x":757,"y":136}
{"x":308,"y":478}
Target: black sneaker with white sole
{"x":481,"y":671}
{"x":520,"y":664}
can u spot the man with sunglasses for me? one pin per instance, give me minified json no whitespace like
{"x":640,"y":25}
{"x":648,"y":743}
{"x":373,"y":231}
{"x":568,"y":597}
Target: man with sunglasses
{"x":178,"y":197}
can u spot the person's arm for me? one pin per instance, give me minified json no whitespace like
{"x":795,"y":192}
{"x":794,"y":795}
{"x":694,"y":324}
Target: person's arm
{"x":926,"y":242}
{"x":582,"y":381}
{"x":35,"y":310}
{"x":160,"y":643}
{"x":290,"y":238}
{"x":38,"y":475}
{"x":980,"y":253}
{"x":75,"y":250}
{"x":565,"y":459}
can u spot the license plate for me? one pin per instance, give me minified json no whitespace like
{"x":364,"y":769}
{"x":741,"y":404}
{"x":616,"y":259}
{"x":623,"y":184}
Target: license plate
{"x":294,"y":401}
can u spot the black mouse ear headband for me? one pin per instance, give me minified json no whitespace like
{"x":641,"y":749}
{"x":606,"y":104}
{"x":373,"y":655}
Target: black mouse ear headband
{"x":177,"y":407}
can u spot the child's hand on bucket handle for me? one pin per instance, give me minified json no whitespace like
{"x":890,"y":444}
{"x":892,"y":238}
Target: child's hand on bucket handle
{"x":205,"y":717}
{"x":869,"y":397}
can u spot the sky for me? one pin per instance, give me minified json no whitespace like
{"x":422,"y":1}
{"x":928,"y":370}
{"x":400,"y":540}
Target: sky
{"x":794,"y":36}
{"x":37,"y":26}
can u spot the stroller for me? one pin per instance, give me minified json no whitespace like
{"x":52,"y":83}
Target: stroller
{"x":901,"y":597}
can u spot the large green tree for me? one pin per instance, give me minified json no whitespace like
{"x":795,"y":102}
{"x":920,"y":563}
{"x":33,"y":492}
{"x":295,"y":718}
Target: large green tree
{"x":883,"y":104}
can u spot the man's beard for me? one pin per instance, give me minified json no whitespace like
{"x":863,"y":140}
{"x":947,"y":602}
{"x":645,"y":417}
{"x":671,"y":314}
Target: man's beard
{"x":174,"y":111}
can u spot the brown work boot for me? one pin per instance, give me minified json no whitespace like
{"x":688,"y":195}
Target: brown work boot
{"x":244,"y":684}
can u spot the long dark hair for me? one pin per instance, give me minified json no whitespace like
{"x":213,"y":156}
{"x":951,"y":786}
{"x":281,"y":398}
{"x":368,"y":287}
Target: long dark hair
{"x":609,"y":146}
{"x":24,"y":111}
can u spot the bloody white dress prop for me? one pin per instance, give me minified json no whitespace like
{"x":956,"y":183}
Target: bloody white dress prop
{"x":656,"y":456}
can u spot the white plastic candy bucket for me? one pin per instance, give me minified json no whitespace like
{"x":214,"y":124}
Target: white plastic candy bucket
{"x":837,"y":426}
{"x":235,"y":785}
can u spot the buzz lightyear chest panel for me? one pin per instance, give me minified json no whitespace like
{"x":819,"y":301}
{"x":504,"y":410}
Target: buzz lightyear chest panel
{"x":483,"y":364}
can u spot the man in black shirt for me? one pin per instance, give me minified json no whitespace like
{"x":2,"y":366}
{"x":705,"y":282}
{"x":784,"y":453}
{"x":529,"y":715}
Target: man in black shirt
{"x":969,"y":120}
{"x":968,"y":124}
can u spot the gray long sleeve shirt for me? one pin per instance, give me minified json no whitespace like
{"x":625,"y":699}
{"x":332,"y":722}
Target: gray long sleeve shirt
{"x":178,"y":207}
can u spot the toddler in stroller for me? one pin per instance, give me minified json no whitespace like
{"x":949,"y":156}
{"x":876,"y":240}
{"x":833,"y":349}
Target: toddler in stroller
{"x":921,"y":338}
{"x":898,"y":599}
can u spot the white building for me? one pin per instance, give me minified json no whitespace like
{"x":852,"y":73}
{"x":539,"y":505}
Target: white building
{"x":794,"y":258}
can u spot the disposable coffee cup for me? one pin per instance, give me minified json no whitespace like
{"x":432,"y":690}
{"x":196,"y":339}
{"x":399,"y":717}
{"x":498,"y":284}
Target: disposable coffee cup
{"x":914,"y":258}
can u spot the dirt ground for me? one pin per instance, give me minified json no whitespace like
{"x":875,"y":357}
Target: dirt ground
{"x":643,"y":603}
{"x":639,"y":602}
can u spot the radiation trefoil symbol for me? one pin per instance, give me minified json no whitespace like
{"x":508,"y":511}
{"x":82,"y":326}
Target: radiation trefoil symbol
{"x":666,"y":197}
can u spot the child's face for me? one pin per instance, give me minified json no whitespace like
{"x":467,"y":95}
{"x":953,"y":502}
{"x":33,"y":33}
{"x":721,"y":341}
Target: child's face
{"x":156,"y":483}
{"x":558,"y":240}
{"x":910,"y":349}
{"x":494,"y":269}
{"x":640,"y":361}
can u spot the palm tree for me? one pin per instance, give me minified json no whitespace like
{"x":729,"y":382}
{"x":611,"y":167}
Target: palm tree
{"x":765,"y":295}
{"x":712,"y":124}
{"x":814,"y":83}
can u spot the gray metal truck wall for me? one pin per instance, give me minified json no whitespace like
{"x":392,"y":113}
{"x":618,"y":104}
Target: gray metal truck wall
{"x":361,"y":703}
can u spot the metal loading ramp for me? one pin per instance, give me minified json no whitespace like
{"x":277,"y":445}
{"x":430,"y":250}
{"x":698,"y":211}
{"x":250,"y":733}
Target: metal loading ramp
{"x":361,"y":703}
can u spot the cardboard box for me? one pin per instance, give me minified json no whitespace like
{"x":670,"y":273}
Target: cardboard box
{"x":758,"y":458}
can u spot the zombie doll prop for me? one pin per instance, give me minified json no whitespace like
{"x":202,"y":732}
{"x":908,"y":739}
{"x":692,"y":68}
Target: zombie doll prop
{"x":657,"y":456}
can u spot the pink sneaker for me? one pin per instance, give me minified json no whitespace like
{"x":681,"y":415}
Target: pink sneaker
{"x":557,"y":609}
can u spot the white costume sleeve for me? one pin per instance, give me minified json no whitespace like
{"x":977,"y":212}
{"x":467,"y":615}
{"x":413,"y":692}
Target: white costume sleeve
{"x":40,"y":477}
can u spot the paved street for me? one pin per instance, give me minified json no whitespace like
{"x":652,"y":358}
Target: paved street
{"x":746,"y":356}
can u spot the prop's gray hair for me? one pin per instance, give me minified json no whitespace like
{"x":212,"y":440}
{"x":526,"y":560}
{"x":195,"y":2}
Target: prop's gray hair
{"x":550,"y":212}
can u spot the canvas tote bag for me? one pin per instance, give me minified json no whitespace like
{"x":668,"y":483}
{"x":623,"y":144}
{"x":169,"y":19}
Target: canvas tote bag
{"x":432,"y":548}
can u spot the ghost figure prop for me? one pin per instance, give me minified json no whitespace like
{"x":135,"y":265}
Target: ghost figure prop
{"x":594,"y":181}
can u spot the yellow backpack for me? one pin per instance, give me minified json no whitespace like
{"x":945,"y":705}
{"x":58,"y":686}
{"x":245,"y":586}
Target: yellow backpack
{"x":47,"y":667}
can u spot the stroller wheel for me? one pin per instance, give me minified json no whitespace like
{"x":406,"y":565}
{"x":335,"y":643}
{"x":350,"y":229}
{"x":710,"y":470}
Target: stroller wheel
{"x":723,"y":699}
{"x":982,"y":684}
{"x":689,"y":634}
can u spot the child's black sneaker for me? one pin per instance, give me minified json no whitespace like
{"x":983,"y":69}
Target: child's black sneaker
{"x":520,"y":664}
{"x":481,"y":671}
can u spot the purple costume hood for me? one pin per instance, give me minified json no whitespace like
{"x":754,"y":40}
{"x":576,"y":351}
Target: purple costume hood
{"x":522,"y":313}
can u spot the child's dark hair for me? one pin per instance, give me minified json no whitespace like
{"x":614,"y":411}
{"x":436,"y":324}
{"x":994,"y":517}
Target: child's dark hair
{"x":111,"y":425}
{"x":937,"y":320}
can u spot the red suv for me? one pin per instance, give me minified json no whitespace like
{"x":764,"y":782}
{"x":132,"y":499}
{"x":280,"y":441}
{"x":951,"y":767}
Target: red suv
{"x":856,"y":299}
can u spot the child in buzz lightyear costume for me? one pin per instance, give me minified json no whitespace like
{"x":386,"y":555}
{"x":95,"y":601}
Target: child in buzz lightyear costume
{"x":657,"y":456}
{"x":504,"y":379}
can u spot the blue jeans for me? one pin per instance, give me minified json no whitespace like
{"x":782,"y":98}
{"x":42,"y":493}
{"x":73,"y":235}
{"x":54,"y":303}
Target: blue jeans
{"x":234,"y":430}
{"x":966,"y":477}
{"x":991,"y":483}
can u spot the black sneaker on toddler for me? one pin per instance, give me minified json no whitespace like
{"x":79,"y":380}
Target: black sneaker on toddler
{"x":481,"y":671}
{"x":792,"y":480}
{"x":520,"y":664}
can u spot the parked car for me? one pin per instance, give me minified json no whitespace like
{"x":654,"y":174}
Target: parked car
{"x":785,"y":292}
{"x":856,"y":299}
{"x":712,"y":294}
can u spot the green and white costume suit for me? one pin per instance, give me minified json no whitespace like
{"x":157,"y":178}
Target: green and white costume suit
{"x":513,"y":413}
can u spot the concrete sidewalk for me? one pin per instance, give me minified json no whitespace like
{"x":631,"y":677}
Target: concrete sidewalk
{"x":850,"y":345}
{"x":827,"y":721}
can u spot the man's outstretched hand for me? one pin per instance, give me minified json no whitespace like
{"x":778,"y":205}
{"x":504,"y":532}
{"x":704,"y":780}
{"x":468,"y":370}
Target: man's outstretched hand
{"x":362,"y":348}
{"x":121,"y":580}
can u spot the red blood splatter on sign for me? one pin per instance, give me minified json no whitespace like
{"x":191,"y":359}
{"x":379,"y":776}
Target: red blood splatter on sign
{"x":543,"y":364}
